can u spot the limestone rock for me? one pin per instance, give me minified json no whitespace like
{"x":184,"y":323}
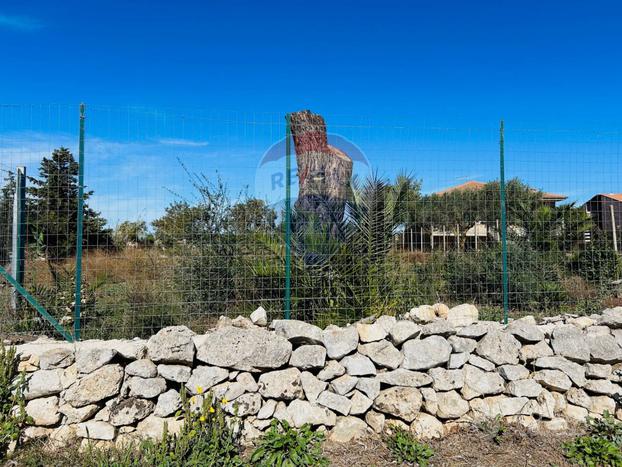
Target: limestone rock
{"x":281,"y":384}
{"x":101,"y":384}
{"x":611,"y":317}
{"x":441,"y":310}
{"x":346,"y":429}
{"x":600,"y":404}
{"x":425,"y":353}
{"x":153,"y":427}
{"x":96,"y":430}
{"x":259,"y":317}
{"x":400,"y":402}
{"x":476,"y":330}
{"x":311,"y":386}
{"x":462,"y":344}
{"x":604,"y":349}
{"x":360,"y":403}
{"x":331,"y":371}
{"x":451,"y":405}
{"x":308,"y":357}
{"x":553,"y":379}
{"x":524,"y":388}
{"x":579,"y":397}
{"x":462,"y":315}
{"x":375,"y":420}
{"x":173,"y":344}
{"x":147,"y":388}
{"x":302,"y":412}
{"x":343,"y":385}
{"x":44,"y":383}
{"x":330,"y":400}
{"x":268,"y":408}
{"x":246,"y":349}
{"x":204,"y":377}
{"x":446,"y":380}
{"x":402,"y":377}
{"x":129,"y":411}
{"x":573,"y":370}
{"x":177,"y":373}
{"x":525,"y":331}
{"x":596,"y":370}
{"x":358,"y":365}
{"x":44,"y":411}
{"x":568,"y":341}
{"x":481,"y":363}
{"x":422,"y":314}
{"x":297,"y":332}
{"x":438,"y":327}
{"x":576,"y":413}
{"x":426,"y":426}
{"x":480,"y":383}
{"x":430,"y":400}
{"x":403,"y":331}
{"x":528,"y":353}
{"x":245,"y":405}
{"x":382,"y":353}
{"x":513,"y":372}
{"x":89,"y":360}
{"x":144,"y":368}
{"x":369,"y":386}
{"x":169,"y":402}
{"x":56,"y":358}
{"x":76,"y":415}
{"x":371,"y":332}
{"x":490,"y":407}
{"x":500,"y":348}
{"x":457,"y":360}
{"x":602,"y":386}
{"x":339,"y":342}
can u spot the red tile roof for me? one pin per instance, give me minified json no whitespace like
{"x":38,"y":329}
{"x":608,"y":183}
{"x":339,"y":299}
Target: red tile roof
{"x":475,"y":185}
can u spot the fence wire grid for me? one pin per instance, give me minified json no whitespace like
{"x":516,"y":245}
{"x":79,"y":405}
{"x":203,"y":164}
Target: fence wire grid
{"x":186,"y":218}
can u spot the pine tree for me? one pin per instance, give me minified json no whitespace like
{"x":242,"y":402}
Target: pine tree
{"x":6,"y":217}
{"x":53,"y":208}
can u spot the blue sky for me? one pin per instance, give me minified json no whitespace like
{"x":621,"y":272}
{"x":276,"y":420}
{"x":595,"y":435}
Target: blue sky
{"x":417,"y":86}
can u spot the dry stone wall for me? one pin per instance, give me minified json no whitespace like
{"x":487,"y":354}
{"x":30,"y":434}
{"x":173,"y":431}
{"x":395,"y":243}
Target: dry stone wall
{"x":432,"y":370}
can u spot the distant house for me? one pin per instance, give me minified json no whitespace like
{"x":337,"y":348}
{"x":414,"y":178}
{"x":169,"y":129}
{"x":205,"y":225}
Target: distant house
{"x":606,"y":211}
{"x":448,"y":237}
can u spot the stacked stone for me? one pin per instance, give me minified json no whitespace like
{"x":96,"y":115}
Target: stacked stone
{"x":432,"y":370}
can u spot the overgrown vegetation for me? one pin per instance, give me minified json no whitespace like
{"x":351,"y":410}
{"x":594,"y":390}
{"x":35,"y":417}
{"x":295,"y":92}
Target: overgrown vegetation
{"x":602,"y":446}
{"x":222,"y":254}
{"x":13,"y":415}
{"x":405,"y":448}
{"x":285,"y":445}
{"x":494,"y":428}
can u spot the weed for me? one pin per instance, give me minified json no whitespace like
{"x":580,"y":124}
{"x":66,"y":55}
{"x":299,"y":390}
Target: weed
{"x":405,"y":448}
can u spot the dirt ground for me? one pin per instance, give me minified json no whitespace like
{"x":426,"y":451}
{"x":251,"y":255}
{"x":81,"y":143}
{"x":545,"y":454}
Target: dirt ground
{"x":469,"y":447}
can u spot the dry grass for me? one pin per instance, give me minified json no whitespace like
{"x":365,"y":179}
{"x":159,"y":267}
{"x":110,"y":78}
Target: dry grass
{"x":470,"y":447}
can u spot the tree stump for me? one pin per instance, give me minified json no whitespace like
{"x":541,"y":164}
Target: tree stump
{"x":324,"y":175}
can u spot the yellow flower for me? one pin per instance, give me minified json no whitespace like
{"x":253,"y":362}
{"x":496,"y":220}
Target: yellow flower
{"x":193,"y":400}
{"x":199,"y":389}
{"x":211,"y":410}
{"x":224,"y":401}
{"x":202,"y":418}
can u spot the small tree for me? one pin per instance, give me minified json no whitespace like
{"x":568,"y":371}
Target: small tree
{"x":128,"y":232}
{"x":53,"y":207}
{"x":6,"y":217}
{"x":253,"y":215}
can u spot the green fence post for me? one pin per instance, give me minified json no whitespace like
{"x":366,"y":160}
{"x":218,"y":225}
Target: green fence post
{"x":288,"y":219}
{"x":504,"y":244}
{"x":18,"y":252}
{"x":79,"y":228}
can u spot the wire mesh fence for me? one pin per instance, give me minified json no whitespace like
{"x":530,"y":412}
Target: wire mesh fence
{"x":187,"y":217}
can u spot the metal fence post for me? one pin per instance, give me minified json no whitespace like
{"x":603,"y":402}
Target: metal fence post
{"x":504,"y":245}
{"x":79,"y":229}
{"x":288,"y":219}
{"x":18,"y":253}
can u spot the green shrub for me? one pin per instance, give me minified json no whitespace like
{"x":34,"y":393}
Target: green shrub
{"x":593,"y":451}
{"x":601,"y":446}
{"x":12,"y":387}
{"x":284,"y":445}
{"x":494,"y":428}
{"x":405,"y":448}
